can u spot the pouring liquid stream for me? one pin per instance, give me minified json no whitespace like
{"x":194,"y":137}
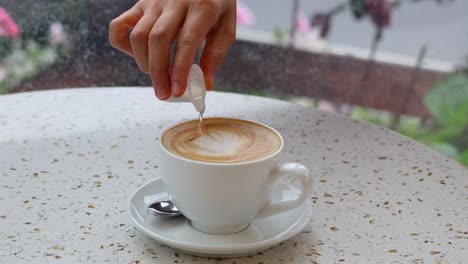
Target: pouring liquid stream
{"x":200,"y":122}
{"x":194,"y":93}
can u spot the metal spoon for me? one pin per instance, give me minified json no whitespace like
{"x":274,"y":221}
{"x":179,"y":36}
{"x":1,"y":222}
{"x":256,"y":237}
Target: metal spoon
{"x":164,"y":208}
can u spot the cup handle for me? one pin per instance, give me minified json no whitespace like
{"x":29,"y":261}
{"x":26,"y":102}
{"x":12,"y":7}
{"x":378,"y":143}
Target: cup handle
{"x":296,"y":170}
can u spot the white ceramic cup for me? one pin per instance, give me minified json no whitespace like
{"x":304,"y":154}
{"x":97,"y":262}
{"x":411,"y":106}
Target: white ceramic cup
{"x":222,"y":198}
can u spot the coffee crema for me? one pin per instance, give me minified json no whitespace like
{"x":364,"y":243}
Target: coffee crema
{"x":224,"y":140}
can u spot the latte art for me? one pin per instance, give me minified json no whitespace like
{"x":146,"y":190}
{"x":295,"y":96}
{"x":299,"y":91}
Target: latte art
{"x":223,"y":141}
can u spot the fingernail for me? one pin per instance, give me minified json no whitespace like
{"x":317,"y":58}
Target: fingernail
{"x":175,"y":89}
{"x":161,"y":93}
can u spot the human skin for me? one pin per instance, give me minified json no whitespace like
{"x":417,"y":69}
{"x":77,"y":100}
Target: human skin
{"x":147,"y":30}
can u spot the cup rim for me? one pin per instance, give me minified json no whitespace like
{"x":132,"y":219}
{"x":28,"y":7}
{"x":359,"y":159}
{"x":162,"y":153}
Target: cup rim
{"x":219,"y":164}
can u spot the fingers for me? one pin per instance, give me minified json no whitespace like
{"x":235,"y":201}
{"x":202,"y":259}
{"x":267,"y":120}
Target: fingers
{"x":200,"y":19}
{"x":153,"y":31}
{"x":216,"y":47}
{"x":139,"y":40}
{"x":119,"y":28}
{"x":162,"y":35}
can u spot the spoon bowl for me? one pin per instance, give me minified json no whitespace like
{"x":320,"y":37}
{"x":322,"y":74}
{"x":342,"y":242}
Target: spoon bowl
{"x":164,"y":208}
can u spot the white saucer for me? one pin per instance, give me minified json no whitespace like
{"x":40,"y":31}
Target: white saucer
{"x":178,"y":233}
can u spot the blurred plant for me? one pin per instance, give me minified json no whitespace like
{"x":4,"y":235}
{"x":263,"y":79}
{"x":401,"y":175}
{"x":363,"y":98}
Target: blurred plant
{"x":300,"y":26}
{"x":305,"y":27}
{"x":8,"y":27}
{"x":57,"y":35}
{"x":25,"y":63}
{"x":323,"y":22}
{"x":302,"y":23}
{"x":34,"y":18}
{"x":245,"y":16}
{"x":24,"y":57}
{"x":378,"y":11}
{"x":59,"y":39}
{"x":292,"y":30}
{"x":447,"y":102}
{"x":280,"y":36}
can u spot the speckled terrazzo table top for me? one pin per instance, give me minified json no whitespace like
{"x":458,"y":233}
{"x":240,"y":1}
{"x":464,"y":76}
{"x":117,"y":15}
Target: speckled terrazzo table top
{"x":69,"y":159}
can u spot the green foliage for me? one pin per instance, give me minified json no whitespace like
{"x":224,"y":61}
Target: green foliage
{"x":358,"y":8}
{"x":25,"y":63}
{"x":445,"y":148}
{"x":36,"y":49}
{"x":411,"y":126}
{"x":380,"y":118}
{"x":463,"y":157}
{"x":280,"y":36}
{"x":34,"y":18}
{"x":5,"y":46}
{"x":448,"y":101}
{"x":444,"y":134}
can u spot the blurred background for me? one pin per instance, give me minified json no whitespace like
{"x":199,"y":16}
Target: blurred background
{"x":399,"y":64}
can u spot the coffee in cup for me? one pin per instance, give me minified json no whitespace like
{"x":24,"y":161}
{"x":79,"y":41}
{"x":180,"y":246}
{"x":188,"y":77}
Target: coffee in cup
{"x":223,"y":140}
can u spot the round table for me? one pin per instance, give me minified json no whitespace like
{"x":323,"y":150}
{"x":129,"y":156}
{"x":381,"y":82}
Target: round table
{"x":70,"y":159}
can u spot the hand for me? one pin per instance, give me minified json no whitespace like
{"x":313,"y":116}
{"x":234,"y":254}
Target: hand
{"x":155,"y":24}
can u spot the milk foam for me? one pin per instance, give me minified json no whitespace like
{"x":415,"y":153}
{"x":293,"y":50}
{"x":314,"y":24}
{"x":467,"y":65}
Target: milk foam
{"x":216,"y":143}
{"x":223,"y":140}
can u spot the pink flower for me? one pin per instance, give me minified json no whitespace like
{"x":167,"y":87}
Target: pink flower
{"x":245,"y":16}
{"x":302,"y":23}
{"x":380,"y":11}
{"x":8,"y":28}
{"x":57,"y":34}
